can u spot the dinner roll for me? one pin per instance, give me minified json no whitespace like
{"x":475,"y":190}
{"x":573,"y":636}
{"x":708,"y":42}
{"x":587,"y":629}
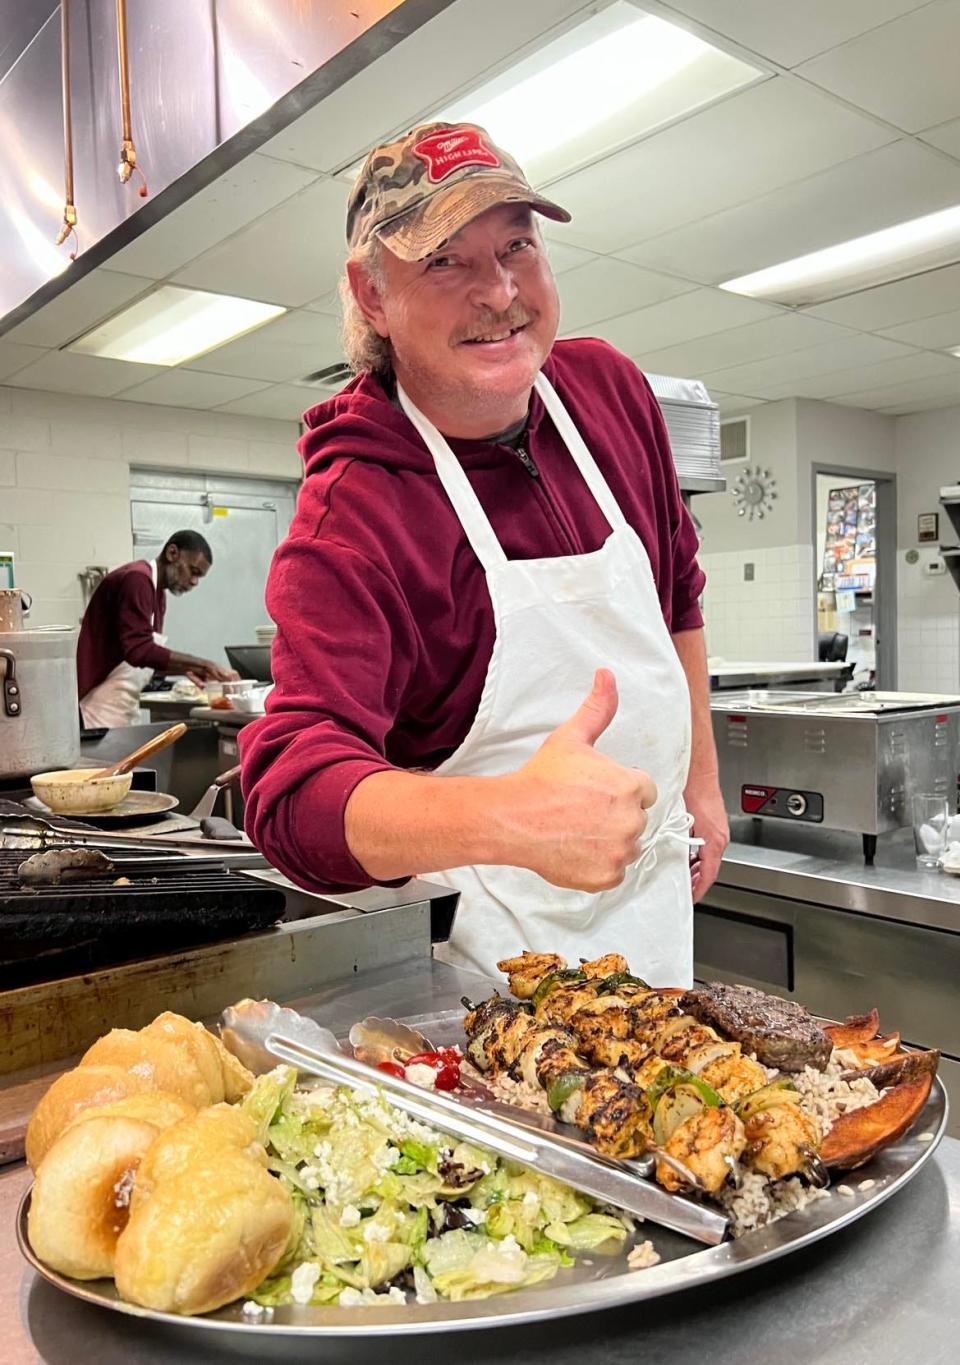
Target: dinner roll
{"x":158,"y":1107}
{"x":205,"y":1236}
{"x":226,"y":1077}
{"x":201,"y":1137}
{"x":165,"y":1064}
{"x":85,"y":1087}
{"x":80,"y":1199}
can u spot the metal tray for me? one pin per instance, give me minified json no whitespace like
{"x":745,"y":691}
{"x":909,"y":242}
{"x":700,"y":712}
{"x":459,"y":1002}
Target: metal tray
{"x":595,"y":1282}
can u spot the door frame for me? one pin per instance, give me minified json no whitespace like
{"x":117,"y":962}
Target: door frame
{"x":885,"y":586}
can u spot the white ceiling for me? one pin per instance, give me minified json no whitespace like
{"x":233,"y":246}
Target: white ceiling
{"x":852,"y":125}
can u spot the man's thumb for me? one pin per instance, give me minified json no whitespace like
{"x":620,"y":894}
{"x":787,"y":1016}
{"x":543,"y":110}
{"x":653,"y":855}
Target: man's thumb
{"x":596,"y":711}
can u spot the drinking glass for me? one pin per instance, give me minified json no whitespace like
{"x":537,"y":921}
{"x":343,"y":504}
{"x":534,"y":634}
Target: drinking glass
{"x":931,"y":817}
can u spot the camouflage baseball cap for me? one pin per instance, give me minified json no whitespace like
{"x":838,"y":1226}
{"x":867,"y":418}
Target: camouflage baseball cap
{"x":416,"y":192}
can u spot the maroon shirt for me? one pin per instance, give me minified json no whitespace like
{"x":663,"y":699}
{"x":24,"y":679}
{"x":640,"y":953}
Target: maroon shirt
{"x":384,"y":622}
{"x":118,"y":626}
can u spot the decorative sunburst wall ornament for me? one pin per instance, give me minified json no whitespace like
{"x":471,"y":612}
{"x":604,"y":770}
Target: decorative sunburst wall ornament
{"x":754,"y":492}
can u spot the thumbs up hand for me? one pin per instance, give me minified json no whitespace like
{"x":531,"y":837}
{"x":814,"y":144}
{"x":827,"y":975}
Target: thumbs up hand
{"x":578,"y":815}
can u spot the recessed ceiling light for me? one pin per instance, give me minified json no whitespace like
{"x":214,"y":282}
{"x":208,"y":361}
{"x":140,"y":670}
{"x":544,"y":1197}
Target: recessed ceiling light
{"x":602,"y":84}
{"x":879,"y":257}
{"x":171,"y":325}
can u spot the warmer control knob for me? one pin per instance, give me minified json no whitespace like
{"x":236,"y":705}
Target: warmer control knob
{"x":797,"y":803}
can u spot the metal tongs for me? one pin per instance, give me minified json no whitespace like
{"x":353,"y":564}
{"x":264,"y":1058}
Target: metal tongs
{"x":260,"y":1033}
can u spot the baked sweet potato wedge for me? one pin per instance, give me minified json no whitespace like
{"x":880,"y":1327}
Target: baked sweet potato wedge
{"x":902,"y":1066}
{"x":858,"y":1028}
{"x":858,"y":1136}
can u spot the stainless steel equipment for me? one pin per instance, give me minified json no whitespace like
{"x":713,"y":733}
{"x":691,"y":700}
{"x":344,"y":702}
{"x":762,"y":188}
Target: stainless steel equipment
{"x":692,"y":420}
{"x":39,"y":712}
{"x":847,"y":762}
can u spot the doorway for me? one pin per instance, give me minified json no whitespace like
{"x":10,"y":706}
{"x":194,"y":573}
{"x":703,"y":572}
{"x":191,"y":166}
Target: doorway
{"x":854,"y":533}
{"x":243,"y":520}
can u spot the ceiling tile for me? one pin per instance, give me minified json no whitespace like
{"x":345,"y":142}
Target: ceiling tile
{"x":290,"y":255}
{"x":904,"y":71}
{"x":416,"y":78}
{"x":287,"y":401}
{"x":563,"y":256}
{"x":326,"y":303}
{"x":287,"y":349}
{"x":938,"y":333}
{"x":744,"y":147}
{"x":773,"y":336}
{"x":239,"y":196}
{"x":733,"y":404}
{"x":882,"y":187}
{"x":606,"y":288}
{"x":901,"y":370}
{"x":946,"y":386}
{"x":763,"y":378}
{"x":15,"y":357}
{"x":91,"y":299}
{"x":189,"y":389}
{"x":65,"y":372}
{"x":888,"y":305}
{"x":696,"y":314}
{"x":946,"y":136}
{"x":789,"y":33}
{"x":907,"y":406}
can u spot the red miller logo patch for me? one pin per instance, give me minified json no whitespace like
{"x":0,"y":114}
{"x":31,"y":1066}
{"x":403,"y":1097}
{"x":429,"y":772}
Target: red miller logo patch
{"x":448,"y":151}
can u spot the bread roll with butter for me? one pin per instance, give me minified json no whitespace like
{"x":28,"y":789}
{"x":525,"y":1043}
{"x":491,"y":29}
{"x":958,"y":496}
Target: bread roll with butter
{"x":81,"y":1195}
{"x":207,"y":1221}
{"x":226,"y":1078}
{"x":85,"y":1087}
{"x":166,"y":1064}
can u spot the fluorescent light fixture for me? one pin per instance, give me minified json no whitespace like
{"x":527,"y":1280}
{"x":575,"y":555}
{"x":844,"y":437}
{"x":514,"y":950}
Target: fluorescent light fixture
{"x":879,"y":257}
{"x":602,"y":84}
{"x":171,"y":325}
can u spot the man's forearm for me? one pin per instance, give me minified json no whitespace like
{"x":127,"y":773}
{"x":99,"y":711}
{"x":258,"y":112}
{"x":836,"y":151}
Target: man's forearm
{"x":692,"y":652}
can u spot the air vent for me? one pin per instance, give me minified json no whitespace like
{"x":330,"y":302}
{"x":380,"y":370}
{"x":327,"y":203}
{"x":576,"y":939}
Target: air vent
{"x":735,"y":440}
{"x":330,"y":377}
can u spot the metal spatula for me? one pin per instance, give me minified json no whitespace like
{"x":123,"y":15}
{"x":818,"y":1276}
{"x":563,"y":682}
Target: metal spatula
{"x":260,"y":1033}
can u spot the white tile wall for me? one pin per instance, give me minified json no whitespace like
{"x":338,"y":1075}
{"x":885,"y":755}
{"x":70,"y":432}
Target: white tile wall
{"x":770,"y":618}
{"x":65,"y":478}
{"x":928,"y":628}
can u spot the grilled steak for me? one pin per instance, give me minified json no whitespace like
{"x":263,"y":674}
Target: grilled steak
{"x":780,"y":1033}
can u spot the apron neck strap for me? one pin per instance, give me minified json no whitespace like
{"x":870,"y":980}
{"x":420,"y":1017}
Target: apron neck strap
{"x":581,"y":455}
{"x":466,"y":504}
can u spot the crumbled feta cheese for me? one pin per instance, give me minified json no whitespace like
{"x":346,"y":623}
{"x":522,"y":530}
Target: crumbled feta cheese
{"x":422,"y":1075}
{"x":310,"y":1175}
{"x":396,"y":1295}
{"x":303,"y":1280}
{"x":252,"y":1310}
{"x":475,"y":1216}
{"x":385,"y":1157}
{"x":376,"y":1232}
{"x":350,"y":1216}
{"x":531,"y":1200}
{"x":350,"y":1298}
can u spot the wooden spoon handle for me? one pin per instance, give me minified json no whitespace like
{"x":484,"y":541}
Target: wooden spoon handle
{"x":153,"y":746}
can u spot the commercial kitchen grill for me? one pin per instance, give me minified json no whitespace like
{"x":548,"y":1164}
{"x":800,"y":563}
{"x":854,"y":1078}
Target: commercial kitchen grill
{"x":53,"y":931}
{"x":848,"y":762}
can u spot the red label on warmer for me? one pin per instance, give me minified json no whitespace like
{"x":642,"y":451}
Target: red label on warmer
{"x":450,"y":150}
{"x":753,"y":799}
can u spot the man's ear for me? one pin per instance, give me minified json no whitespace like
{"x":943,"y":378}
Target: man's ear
{"x":367,"y":296}
{"x":171,"y":553}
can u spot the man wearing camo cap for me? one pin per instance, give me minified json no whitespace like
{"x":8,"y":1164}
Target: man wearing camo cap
{"x":489,"y":660}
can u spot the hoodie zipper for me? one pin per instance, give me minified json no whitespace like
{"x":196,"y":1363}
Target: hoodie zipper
{"x":530,"y":465}
{"x":527,"y":460}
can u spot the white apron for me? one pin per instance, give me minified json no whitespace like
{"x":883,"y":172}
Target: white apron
{"x":558,"y":620}
{"x":116,"y":701}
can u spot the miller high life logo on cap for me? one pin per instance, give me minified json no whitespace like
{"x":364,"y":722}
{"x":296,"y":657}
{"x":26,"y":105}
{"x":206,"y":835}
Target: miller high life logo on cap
{"x":451,"y":149}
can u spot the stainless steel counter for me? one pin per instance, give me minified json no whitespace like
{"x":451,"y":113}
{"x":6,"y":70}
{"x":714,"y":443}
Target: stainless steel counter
{"x":873,"y":1292}
{"x":827,"y":868}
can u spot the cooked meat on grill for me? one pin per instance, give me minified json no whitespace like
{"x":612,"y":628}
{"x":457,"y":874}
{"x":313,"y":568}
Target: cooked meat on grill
{"x":58,"y":865}
{"x":781,"y":1033}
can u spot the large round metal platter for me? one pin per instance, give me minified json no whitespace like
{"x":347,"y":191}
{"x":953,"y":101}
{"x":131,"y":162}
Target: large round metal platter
{"x":595,"y":1282}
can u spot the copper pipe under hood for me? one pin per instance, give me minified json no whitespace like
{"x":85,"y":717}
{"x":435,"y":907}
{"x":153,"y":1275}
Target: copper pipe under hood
{"x":128,"y":151}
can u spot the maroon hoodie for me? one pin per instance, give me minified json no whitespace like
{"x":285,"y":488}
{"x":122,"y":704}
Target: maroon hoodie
{"x":384,"y":622}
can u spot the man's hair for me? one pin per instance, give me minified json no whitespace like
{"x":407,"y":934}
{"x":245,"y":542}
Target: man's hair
{"x":363,"y":346}
{"x":191,"y":541}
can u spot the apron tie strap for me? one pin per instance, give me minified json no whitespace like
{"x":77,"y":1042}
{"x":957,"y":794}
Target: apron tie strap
{"x":676,"y":826}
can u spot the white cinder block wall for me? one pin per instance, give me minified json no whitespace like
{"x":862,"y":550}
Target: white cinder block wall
{"x":767,"y":617}
{"x":65,"y":478}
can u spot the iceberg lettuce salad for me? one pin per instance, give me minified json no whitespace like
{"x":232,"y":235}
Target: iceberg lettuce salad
{"x":387,"y":1207}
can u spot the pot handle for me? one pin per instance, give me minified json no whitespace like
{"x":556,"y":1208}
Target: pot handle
{"x":12,"y":701}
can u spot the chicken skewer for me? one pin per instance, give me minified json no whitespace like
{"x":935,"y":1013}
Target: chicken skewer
{"x":620,"y":1023}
